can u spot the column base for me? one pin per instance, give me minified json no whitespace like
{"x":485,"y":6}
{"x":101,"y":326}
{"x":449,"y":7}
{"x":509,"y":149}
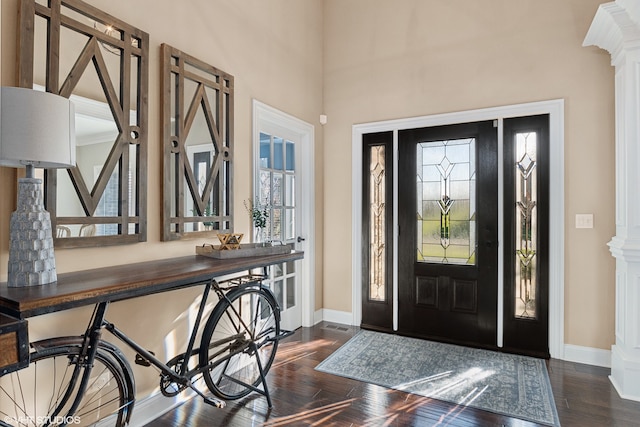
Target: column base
{"x":625,"y":373}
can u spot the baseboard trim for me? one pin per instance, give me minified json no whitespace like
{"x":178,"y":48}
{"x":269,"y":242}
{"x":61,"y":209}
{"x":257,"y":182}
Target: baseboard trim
{"x":625,"y":373}
{"x":620,"y":390}
{"x":148,"y":409}
{"x":587,"y":355}
{"x":343,"y":317}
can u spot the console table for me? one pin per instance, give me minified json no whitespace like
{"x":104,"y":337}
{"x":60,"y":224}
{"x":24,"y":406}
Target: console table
{"x":116,"y":283}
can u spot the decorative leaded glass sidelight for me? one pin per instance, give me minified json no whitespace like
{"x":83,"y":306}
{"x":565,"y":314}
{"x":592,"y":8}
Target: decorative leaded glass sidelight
{"x":446,"y":205}
{"x":526,"y":275}
{"x":377,"y":222}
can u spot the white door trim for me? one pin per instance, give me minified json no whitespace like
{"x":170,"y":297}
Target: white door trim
{"x":555,"y":109}
{"x":263,"y":113}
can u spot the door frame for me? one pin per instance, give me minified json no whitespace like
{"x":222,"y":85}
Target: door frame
{"x":555,"y":110}
{"x":265,"y":114}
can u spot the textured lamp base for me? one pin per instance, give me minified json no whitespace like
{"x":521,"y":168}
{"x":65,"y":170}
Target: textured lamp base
{"x":31,"y":258}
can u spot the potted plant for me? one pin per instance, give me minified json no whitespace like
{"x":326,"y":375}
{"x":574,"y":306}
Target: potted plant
{"x":259,"y":214}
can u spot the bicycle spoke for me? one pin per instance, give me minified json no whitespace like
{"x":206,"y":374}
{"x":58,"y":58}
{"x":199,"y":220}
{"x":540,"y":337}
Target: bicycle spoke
{"x":115,"y":409}
{"x":43,"y":393}
{"x":235,"y":371}
{"x":96,"y":396}
{"x":14,"y":399}
{"x":255,"y":319}
{"x":55,"y":396}
{"x":237,"y":315}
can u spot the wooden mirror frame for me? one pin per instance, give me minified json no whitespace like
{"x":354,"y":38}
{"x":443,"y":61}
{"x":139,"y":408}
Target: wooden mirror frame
{"x":211,"y":204}
{"x":131,"y":122}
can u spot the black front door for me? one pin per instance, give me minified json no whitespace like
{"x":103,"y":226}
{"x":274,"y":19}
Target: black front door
{"x":447,"y":263}
{"x":447,"y":246}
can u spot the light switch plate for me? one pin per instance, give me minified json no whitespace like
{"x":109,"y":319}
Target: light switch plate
{"x":584,"y":220}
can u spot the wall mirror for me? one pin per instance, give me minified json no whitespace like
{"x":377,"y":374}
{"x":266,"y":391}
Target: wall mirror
{"x":72,"y":49}
{"x":197,"y":103}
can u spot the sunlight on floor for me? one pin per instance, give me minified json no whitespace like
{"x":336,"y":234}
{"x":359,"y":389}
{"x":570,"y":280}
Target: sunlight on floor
{"x":292,"y":351}
{"x":328,"y":411}
{"x":467,"y":378}
{"x":375,"y":398}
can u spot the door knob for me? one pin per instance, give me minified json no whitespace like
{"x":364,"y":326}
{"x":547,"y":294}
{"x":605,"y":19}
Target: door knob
{"x":488,"y":237}
{"x":301,"y":239}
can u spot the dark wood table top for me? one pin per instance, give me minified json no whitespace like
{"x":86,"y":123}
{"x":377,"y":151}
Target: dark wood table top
{"x":116,"y":283}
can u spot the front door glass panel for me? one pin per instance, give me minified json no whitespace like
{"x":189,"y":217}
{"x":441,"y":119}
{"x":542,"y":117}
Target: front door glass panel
{"x":446,"y":176}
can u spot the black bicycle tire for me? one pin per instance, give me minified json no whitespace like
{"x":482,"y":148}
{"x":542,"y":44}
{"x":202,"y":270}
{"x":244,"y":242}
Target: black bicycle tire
{"x":217,"y":313}
{"x":103,"y":357}
{"x":105,"y":347}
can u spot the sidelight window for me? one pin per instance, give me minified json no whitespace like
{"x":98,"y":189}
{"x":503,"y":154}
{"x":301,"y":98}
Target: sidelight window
{"x":377,"y":223}
{"x":526,"y":280}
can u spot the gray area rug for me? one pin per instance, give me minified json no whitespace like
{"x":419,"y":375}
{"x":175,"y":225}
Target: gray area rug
{"x":512,"y":385}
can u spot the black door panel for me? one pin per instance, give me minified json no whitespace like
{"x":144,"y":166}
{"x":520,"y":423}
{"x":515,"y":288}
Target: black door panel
{"x":444,"y":296}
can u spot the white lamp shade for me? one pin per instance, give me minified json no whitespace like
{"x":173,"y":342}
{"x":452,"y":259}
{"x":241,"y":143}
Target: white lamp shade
{"x":36,"y":128}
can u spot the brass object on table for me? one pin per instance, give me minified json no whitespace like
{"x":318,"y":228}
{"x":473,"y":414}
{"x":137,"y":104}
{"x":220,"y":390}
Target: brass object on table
{"x":229,"y":241}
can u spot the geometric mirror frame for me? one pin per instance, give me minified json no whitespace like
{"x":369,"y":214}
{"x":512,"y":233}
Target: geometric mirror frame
{"x":72,"y":49}
{"x":197,"y":134}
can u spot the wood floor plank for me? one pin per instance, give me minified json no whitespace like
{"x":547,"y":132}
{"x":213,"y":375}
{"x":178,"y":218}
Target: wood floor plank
{"x":303,"y":396}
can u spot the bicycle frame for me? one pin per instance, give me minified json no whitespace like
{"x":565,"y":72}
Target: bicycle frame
{"x":181,"y":376}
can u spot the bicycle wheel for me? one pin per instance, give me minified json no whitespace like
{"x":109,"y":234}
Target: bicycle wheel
{"x":241,"y":331}
{"x":34,"y":396}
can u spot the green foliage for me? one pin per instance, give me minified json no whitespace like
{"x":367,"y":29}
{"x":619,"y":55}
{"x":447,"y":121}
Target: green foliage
{"x":258,"y":213}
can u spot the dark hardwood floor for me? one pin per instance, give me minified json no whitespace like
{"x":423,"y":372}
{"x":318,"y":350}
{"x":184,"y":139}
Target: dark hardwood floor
{"x":305,"y":397}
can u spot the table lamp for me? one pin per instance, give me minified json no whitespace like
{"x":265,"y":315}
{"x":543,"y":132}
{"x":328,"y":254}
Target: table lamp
{"x":37,"y":129}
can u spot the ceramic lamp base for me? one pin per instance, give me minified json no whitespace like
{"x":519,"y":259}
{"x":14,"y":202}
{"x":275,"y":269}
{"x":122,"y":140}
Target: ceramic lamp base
{"x":31,"y":258}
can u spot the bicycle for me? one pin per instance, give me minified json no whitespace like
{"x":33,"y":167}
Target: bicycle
{"x":88,"y":379}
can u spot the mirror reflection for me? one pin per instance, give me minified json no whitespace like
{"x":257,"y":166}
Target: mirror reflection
{"x":200,"y":153}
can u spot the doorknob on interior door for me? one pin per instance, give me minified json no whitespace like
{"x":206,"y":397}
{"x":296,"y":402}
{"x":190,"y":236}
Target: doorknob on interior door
{"x":301,"y":239}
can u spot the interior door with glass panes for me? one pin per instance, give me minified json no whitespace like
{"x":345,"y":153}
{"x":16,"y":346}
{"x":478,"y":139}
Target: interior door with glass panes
{"x":278,"y":192}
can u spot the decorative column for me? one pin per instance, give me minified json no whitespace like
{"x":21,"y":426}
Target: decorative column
{"x":616,"y":28}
